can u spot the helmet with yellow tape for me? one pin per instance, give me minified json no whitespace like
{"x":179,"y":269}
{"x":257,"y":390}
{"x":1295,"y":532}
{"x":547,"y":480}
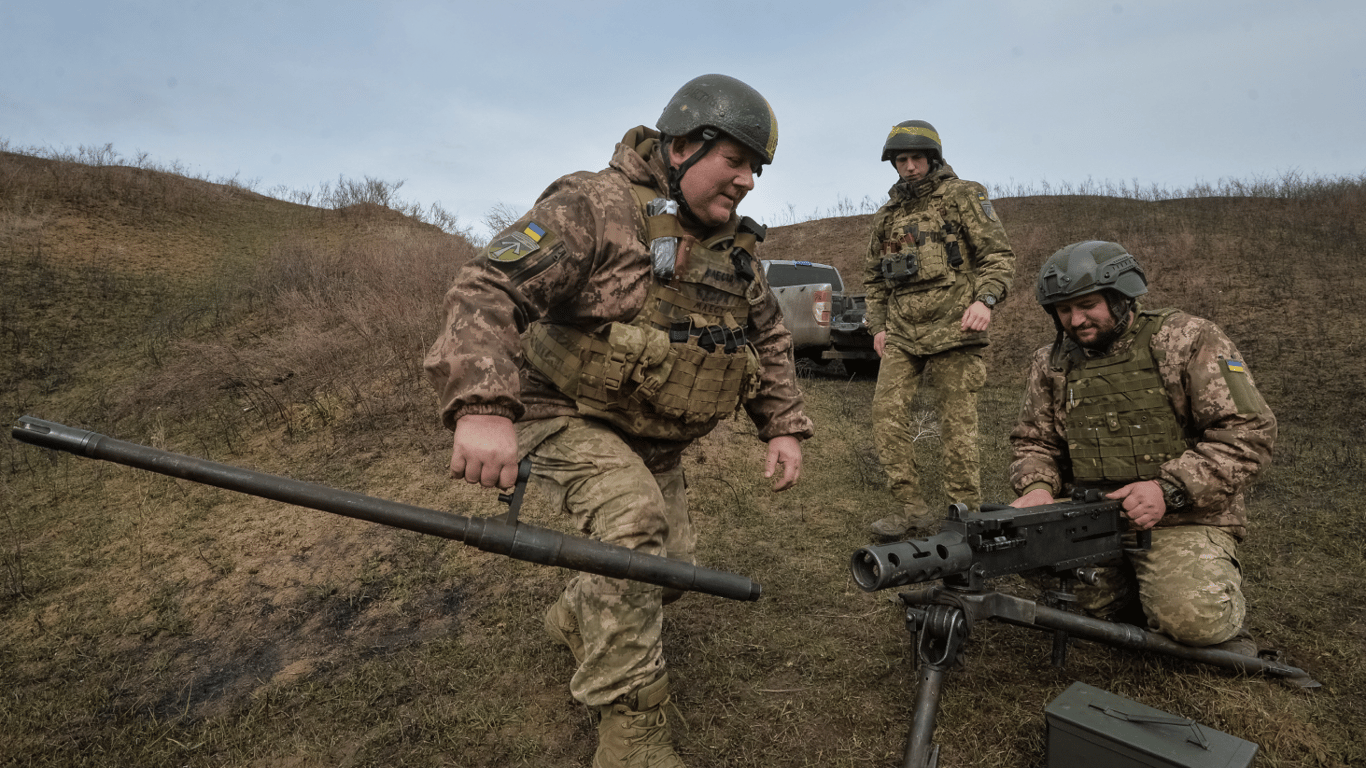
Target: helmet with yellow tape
{"x":913,"y":136}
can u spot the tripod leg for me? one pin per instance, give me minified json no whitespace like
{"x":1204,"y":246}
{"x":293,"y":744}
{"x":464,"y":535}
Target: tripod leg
{"x":940,"y":631}
{"x":1060,"y":642}
{"x":920,"y":753}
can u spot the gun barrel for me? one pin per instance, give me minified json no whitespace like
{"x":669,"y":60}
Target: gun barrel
{"x":910,"y":562}
{"x":516,"y":540}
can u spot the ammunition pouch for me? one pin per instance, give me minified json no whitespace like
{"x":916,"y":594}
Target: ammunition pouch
{"x":708,"y":338}
{"x":900,"y":268}
{"x":954,"y":247}
{"x":922,"y":252}
{"x":691,"y":373}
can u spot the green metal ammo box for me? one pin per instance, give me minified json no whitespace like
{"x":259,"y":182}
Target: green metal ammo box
{"x":1090,"y":727}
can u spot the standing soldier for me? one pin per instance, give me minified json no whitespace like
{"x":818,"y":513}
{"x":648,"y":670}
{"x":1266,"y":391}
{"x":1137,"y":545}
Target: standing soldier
{"x":619,"y":320}
{"x":1158,"y":409}
{"x":938,"y":264}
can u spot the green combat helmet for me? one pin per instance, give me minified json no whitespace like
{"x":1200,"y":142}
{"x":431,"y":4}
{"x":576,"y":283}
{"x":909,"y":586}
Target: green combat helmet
{"x":913,"y":135}
{"x":723,"y":104}
{"x":711,"y":106}
{"x":1082,"y":268}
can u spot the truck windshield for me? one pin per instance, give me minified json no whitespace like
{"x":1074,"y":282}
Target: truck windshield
{"x":804,"y":274}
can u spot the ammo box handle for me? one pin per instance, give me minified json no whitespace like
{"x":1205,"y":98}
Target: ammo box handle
{"x":1198,"y":737}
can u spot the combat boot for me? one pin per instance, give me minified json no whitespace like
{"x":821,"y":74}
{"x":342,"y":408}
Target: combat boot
{"x":914,"y":517}
{"x":563,"y":628}
{"x":634,"y":731}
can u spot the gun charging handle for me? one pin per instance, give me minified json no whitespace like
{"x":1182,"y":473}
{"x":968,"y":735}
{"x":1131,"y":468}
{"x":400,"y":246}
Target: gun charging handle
{"x":1144,"y":538}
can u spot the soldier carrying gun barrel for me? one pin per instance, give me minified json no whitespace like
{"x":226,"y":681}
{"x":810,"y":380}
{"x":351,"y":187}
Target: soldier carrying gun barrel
{"x":619,"y":320}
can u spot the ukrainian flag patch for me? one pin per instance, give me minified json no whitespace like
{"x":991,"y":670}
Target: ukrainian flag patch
{"x":1245,"y":397}
{"x":987,"y":210}
{"x":515,"y":246}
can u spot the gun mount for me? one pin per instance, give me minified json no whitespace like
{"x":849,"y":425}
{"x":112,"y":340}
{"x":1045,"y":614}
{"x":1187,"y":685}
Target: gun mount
{"x":1057,"y":539}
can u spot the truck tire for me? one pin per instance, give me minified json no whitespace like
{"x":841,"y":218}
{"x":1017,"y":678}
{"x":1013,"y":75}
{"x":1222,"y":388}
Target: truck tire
{"x":861,"y":368}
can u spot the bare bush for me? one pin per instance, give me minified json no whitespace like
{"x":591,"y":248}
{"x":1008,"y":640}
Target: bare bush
{"x":349,"y":326}
{"x":500,"y":217}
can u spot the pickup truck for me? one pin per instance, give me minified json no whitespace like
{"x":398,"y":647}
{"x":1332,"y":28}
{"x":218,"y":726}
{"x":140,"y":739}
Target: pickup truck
{"x":825,"y":322}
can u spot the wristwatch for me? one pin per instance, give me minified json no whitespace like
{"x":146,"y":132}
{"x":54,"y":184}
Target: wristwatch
{"x":1172,"y":494}
{"x":989,"y":300}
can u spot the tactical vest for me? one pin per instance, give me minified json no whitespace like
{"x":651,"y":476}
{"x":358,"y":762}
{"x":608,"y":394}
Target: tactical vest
{"x":923,"y":251}
{"x":1119,"y":423}
{"x":683,"y":363}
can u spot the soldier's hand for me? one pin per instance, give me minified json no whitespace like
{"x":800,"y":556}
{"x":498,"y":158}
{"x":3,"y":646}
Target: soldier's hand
{"x":1143,"y":503}
{"x":880,"y":342}
{"x":785,"y":450}
{"x":485,"y":451}
{"x":976,"y":317}
{"x":1035,"y":498}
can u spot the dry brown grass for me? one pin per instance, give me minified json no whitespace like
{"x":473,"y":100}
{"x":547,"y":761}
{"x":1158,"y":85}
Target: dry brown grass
{"x":151,"y":621}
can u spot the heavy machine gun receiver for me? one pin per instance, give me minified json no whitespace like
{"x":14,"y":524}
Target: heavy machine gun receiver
{"x":1001,"y":540}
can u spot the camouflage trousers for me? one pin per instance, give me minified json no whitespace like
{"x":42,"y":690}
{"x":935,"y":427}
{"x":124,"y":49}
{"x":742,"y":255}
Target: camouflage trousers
{"x":1189,"y":585}
{"x":958,"y":375}
{"x":588,"y":470}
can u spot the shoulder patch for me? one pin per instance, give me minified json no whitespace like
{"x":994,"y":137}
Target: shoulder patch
{"x":515,"y":246}
{"x":1240,"y":389}
{"x":987,"y":210}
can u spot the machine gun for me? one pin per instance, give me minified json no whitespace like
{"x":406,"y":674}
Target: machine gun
{"x":503,"y":535}
{"x":1061,"y":540}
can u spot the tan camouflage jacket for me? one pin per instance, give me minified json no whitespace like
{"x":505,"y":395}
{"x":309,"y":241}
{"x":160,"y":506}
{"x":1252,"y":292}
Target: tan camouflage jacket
{"x":925,"y":322}
{"x":579,"y":257}
{"x":1216,"y":403}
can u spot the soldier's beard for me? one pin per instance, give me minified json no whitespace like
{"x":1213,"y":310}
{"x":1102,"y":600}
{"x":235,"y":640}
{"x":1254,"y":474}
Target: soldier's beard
{"x":1105,"y":337}
{"x":1100,"y":343}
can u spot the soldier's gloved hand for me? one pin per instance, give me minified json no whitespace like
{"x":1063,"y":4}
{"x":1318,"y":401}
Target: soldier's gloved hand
{"x":485,"y":450}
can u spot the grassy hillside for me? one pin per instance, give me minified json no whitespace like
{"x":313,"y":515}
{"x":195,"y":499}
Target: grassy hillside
{"x":152,"y":621}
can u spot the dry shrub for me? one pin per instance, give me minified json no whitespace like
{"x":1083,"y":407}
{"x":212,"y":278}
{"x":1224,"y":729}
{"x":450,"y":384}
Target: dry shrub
{"x":338,"y":332}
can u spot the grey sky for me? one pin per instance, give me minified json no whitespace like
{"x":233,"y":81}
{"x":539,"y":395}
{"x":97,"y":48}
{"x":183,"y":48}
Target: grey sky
{"x":474,"y":104}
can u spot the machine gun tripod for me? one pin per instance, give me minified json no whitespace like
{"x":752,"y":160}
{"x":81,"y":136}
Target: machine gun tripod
{"x":1061,"y":539}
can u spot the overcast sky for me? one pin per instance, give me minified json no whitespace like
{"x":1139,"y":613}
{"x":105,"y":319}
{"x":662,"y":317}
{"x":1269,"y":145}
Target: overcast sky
{"x":473,"y":104}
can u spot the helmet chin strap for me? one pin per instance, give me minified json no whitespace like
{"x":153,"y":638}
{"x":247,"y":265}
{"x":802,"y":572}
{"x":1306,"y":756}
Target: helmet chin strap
{"x":1121,"y":311}
{"x":709,"y":137}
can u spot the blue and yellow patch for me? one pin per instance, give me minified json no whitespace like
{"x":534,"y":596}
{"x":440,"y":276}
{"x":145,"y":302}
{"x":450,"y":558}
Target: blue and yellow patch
{"x":1245,"y":397}
{"x":987,"y":210}
{"x":515,"y":246}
